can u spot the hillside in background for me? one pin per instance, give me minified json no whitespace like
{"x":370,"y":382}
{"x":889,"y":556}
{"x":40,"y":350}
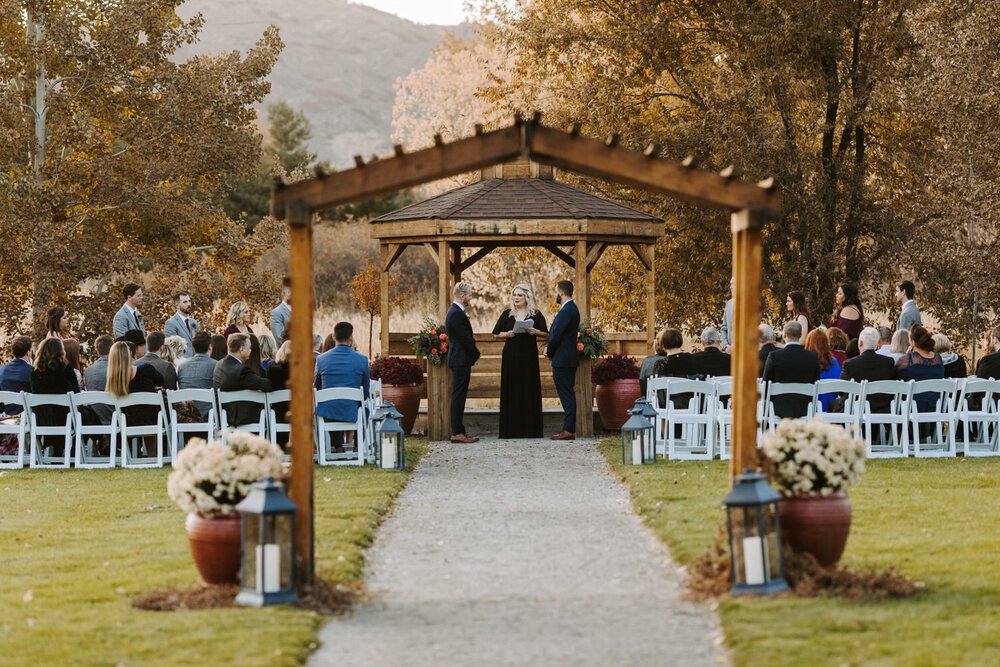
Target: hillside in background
{"x":339,"y":65}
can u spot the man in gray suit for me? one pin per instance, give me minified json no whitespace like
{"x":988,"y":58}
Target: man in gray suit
{"x":909,"y":315}
{"x":129,"y":317}
{"x":182,"y":324}
{"x":281,"y":315}
{"x":197,"y":372}
{"x":727,"y":319}
{"x":96,"y":376}
{"x":154,"y":341}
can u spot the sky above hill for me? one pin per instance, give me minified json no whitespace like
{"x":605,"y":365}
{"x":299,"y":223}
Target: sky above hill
{"x":441,"y":12}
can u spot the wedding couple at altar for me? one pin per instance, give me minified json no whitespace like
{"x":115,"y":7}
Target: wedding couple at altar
{"x":522,"y":327}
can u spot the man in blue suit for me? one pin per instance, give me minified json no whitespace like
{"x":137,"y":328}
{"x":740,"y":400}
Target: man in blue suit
{"x":342,"y":367}
{"x":565,"y":356}
{"x":462,"y":355}
{"x":16,"y":375}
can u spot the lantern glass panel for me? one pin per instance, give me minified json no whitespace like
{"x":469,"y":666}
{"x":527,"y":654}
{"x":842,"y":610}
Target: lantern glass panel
{"x":771,"y":540}
{"x":251,"y":540}
{"x":390,"y":450}
{"x":737,"y":533}
{"x":637,"y":447}
{"x":283,"y":524}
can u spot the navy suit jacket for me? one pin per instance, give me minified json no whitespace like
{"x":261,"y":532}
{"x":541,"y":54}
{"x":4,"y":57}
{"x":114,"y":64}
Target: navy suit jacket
{"x":792,"y":363}
{"x":462,"y":349}
{"x":341,"y":367}
{"x":561,"y":348}
{"x":15,"y":376}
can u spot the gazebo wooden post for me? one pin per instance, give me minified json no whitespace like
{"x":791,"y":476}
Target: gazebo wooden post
{"x":746,"y":226}
{"x":300,"y":255}
{"x":439,"y":377}
{"x":383,"y":306}
{"x":651,"y":298}
{"x":583,"y":389}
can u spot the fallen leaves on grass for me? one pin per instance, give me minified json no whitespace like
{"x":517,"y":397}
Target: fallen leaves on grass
{"x":325,"y":597}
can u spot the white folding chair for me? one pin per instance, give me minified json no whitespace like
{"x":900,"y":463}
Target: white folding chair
{"x":724,"y":416}
{"x":940,"y":421}
{"x":208,"y":426}
{"x":16,"y":425}
{"x":135,"y":438}
{"x":805,"y":389}
{"x":892,"y":427}
{"x":850,"y":417}
{"x":324,"y":428}
{"x":656,"y":388}
{"x":37,"y":457}
{"x":690,"y":430}
{"x":374,"y":401}
{"x":977,"y":430}
{"x":87,"y":434}
{"x":274,"y":425}
{"x":242,"y":396}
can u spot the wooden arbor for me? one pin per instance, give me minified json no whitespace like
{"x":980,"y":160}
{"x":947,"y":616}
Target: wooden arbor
{"x":514,"y":204}
{"x":749,"y":203}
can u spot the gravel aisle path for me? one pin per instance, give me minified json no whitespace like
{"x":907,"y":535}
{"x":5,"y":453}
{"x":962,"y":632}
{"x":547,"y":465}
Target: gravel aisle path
{"x":519,"y":552}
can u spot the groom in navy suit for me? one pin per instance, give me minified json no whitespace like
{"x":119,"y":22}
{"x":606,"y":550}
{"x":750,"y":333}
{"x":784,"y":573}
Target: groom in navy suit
{"x":462,"y":354}
{"x":565,"y":357}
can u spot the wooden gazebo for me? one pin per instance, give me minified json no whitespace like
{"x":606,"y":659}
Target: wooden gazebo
{"x":516,"y":203}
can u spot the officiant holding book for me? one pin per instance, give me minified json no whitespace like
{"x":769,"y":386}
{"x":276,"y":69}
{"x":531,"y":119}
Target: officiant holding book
{"x":520,"y":326}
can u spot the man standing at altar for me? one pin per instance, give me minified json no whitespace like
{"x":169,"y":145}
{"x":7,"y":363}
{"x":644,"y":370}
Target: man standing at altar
{"x":462,"y":355}
{"x":565,"y":356}
{"x":182,"y":324}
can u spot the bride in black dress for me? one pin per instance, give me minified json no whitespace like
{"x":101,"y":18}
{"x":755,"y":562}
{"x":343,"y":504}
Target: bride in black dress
{"x":520,"y":383}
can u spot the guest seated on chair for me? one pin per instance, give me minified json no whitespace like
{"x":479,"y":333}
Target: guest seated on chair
{"x":126,"y":378}
{"x":954,"y":364}
{"x":342,"y":367}
{"x":52,"y":375}
{"x":16,"y":375}
{"x":989,"y":366}
{"x":232,"y":374}
{"x":766,"y":345}
{"x":711,"y":361}
{"x":921,"y":363}
{"x":871,"y":365}
{"x":198,"y":371}
{"x":792,"y":363}
{"x":154,"y":344}
{"x":829,"y":367}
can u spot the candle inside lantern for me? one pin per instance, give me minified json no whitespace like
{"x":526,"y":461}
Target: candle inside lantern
{"x":389,"y":452}
{"x":636,"y":449}
{"x":268,"y":568}
{"x":753,"y":559}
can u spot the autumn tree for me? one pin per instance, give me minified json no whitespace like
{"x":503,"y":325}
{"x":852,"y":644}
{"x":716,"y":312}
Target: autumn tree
{"x":115,"y":156}
{"x":366,"y":292}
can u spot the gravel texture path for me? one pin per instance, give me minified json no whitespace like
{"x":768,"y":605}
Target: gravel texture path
{"x":519,"y":552}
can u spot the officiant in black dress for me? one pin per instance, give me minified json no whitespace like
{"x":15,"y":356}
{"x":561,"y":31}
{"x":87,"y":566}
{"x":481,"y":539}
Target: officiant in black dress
{"x":520,"y":383}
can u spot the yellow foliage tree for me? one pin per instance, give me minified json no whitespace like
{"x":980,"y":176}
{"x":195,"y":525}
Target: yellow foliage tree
{"x":366,"y":291}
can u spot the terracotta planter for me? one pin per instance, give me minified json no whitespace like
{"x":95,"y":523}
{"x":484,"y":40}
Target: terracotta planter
{"x":614,"y":400}
{"x":817,"y":525}
{"x":215,"y":547}
{"x":406,"y":398}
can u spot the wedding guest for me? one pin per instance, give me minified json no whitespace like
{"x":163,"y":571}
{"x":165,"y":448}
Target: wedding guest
{"x":277,"y":370}
{"x":57,"y":324}
{"x":52,"y":375}
{"x":726,"y":333}
{"x":848,"y":315}
{"x":795,"y":304}
{"x":125,"y":377}
{"x":520,"y":378}
{"x":16,"y":374}
{"x":900,"y":345}
{"x":268,"y":348}
{"x":238,"y":320}
{"x":154,"y":346}
{"x":853,"y":349}
{"x":282,"y":313}
{"x":909,"y":314}
{"x":646,"y":368}
{"x":317,"y":345}
{"x":462,"y":355}
{"x":182,"y":324}
{"x":137,"y":342}
{"x":96,"y":375}
{"x":792,"y":363}
{"x":921,"y":363}
{"x":72,"y":347}
{"x":197,"y":372}
{"x":128,"y":316}
{"x":954,"y":365}
{"x":174,"y":350}
{"x":675,"y":363}
{"x":342,"y":367}
{"x":218,"y":347}
{"x":328,"y":344}
{"x":871,"y":366}
{"x":254,"y":361}
{"x":232,"y":374}
{"x":766,"y":345}
{"x":829,"y":367}
{"x":711,"y":361}
{"x":838,"y":344}
{"x":885,"y":341}
{"x":988,"y":367}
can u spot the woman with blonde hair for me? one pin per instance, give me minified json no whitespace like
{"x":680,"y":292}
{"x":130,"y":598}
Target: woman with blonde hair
{"x":124,"y":379}
{"x":173,"y":350}
{"x":268,"y":349}
{"x":519,"y":327}
{"x":238,"y":320}
{"x":954,"y":364}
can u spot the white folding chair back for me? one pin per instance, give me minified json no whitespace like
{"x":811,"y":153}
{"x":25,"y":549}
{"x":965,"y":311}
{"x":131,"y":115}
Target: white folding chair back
{"x":17,"y":426}
{"x":887,"y":434}
{"x":850,"y":416}
{"x":724,"y":416}
{"x":136,"y":438}
{"x":324,"y":428}
{"x":87,"y":434}
{"x":207,"y":427}
{"x":374,"y":401}
{"x":274,"y":425}
{"x":37,"y":456}
{"x":690,"y":429}
{"x":656,"y":388}
{"x":804,"y":389}
{"x":242,"y":396}
{"x":977,"y":430}
{"x":938,"y":424}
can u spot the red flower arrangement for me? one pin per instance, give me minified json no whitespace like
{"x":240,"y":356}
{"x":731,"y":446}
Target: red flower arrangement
{"x":396,"y":370}
{"x":614,"y":367}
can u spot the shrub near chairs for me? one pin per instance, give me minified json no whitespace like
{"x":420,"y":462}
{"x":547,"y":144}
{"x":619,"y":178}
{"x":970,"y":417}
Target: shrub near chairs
{"x":16,"y":426}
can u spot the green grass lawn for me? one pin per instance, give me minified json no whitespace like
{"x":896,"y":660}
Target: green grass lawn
{"x":936,"y":520}
{"x":76,"y":545}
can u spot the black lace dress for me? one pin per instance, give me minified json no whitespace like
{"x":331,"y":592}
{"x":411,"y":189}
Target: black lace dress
{"x":520,"y":383}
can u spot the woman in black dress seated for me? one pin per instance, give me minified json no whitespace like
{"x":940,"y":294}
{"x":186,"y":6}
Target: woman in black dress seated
{"x":52,"y":375}
{"x":520,"y":383}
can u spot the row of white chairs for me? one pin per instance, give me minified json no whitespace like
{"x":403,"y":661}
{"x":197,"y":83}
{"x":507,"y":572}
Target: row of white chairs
{"x":965,"y":418}
{"x":132,"y":445}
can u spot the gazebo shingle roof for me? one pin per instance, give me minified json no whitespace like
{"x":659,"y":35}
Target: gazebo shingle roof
{"x":516,"y":199}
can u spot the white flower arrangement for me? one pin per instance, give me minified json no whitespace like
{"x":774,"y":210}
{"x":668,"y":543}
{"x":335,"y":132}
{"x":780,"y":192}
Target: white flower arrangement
{"x":812,"y":457}
{"x":212,"y":478}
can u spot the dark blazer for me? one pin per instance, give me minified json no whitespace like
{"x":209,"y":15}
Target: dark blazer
{"x":145,"y":380}
{"x":16,"y":377}
{"x":673,"y":365}
{"x":792,"y":363}
{"x":954,"y":368}
{"x":710,"y":361}
{"x":762,"y":355}
{"x":462,"y":350}
{"x":871,"y":366}
{"x":165,"y":368}
{"x":989,"y":367}
{"x":232,"y":375}
{"x":561,"y":348}
{"x":57,"y":381}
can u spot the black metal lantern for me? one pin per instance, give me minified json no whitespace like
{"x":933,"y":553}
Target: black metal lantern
{"x":391,"y":440}
{"x":754,"y":536}
{"x":637,"y":437}
{"x":267,"y":542}
{"x":649,"y":412}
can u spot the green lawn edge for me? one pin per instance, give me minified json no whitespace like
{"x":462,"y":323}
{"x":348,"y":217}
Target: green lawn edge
{"x":936,"y":520}
{"x":77,"y":545}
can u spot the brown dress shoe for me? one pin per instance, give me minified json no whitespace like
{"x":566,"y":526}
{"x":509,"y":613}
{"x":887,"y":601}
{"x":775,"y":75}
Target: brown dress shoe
{"x":564,"y":435}
{"x":461,"y":437}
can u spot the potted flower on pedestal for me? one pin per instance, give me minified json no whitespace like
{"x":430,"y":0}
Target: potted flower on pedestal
{"x":811,"y":464}
{"x":617,"y":380}
{"x":401,"y":380}
{"x":208,"y":481}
